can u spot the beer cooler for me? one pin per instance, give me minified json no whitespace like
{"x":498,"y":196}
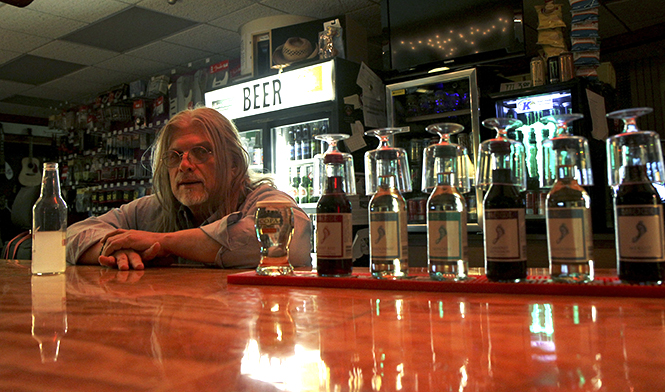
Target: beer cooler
{"x":278,"y":116}
{"x":532,"y":104}
{"x":417,"y":103}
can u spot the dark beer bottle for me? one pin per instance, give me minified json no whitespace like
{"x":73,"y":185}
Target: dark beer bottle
{"x":334,"y":223}
{"x":504,"y":229}
{"x":638,"y":223}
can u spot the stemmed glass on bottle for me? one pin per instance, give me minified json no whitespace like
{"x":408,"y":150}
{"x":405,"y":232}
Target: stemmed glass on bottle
{"x":501,"y":174}
{"x":387,"y":177}
{"x":334,"y":180}
{"x":635,"y":168}
{"x":446,"y":177}
{"x":567,"y":168}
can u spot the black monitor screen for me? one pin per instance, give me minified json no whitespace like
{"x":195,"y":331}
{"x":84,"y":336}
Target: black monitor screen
{"x":452,"y":33}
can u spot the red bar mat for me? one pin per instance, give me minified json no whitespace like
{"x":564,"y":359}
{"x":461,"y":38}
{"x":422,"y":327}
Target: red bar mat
{"x":538,"y":285}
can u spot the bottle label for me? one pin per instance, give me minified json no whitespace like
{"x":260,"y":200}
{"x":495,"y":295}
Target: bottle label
{"x":388,"y":235}
{"x":569,"y":234}
{"x":446,"y":236}
{"x":333,"y":236}
{"x":639,"y":233}
{"x":505,"y":234}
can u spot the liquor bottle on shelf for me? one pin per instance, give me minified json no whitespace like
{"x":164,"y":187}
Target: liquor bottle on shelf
{"x":387,"y":177}
{"x":444,"y":175}
{"x":635,"y":168}
{"x":291,"y":142}
{"x":502,"y":173}
{"x":305,"y":142}
{"x":297,"y":133}
{"x":315,"y":142}
{"x":334,"y":242}
{"x":568,"y":206}
{"x":303,"y":192}
{"x":296,"y":185}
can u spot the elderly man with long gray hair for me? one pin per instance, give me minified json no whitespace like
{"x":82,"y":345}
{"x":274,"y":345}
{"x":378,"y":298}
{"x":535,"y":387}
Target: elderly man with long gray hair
{"x":201,"y":209}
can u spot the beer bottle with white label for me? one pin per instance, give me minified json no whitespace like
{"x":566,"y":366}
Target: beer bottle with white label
{"x":638,"y":223}
{"x":446,"y":231}
{"x":504,"y":229}
{"x":389,"y":249}
{"x":569,"y":235}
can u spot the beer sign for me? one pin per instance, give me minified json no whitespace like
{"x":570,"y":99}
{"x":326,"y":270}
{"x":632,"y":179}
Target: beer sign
{"x":303,"y":86}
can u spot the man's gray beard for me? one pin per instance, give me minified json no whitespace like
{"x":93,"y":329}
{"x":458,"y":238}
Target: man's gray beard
{"x":190,"y":199}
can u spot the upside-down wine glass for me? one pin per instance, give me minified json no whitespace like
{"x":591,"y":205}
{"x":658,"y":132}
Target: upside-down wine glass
{"x":387,"y":177}
{"x":334,"y":180}
{"x":446,"y":177}
{"x":568,"y":205}
{"x":501,"y":175}
{"x":635,"y":173}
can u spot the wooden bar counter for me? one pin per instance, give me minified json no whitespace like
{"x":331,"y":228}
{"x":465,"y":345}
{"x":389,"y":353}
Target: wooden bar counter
{"x":186,"y":329}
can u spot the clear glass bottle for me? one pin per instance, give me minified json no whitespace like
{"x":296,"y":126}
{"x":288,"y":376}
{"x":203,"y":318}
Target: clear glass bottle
{"x":388,"y":237}
{"x":569,"y":235}
{"x":49,"y":225}
{"x":638,"y":224}
{"x":446,"y":232}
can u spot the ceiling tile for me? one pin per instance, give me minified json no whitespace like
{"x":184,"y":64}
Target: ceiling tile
{"x":314,"y":9}
{"x":200,"y":10}
{"x":168,"y":53}
{"x":36,"y":23}
{"x":20,"y":42}
{"x":235,"y":20}
{"x":6,"y":55}
{"x":206,"y":37}
{"x":129,"y":29}
{"x":31,"y":69}
{"x":101,"y":76}
{"x":8,"y":88}
{"x":133,"y":65}
{"x":69,"y":51}
{"x":651,"y":12}
{"x":86,"y":11}
{"x":66,"y":89}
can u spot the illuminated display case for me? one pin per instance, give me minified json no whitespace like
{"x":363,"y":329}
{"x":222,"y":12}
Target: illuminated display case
{"x":279,"y":115}
{"x":449,"y":97}
{"x":530,"y":106}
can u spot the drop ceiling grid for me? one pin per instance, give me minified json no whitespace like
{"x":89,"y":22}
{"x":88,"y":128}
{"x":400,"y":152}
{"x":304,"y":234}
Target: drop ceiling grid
{"x":168,"y":53}
{"x":206,"y":38}
{"x":9,"y":88}
{"x":73,"y":52}
{"x":314,"y":9}
{"x":20,"y":42}
{"x":204,"y":11}
{"x":88,"y":11}
{"x":31,"y":22}
{"x":138,"y":68}
{"x":235,"y":20}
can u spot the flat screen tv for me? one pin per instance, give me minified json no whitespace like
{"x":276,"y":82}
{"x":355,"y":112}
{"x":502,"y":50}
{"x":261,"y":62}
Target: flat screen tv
{"x":451,"y":33}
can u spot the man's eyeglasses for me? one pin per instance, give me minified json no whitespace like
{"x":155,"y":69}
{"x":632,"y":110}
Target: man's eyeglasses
{"x":196,"y":155}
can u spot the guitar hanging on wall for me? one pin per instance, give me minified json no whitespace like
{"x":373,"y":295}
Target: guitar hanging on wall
{"x":6,"y":172}
{"x":29,"y":175}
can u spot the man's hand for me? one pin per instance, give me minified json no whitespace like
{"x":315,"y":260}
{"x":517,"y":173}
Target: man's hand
{"x":145,"y":243}
{"x":125,"y":249}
